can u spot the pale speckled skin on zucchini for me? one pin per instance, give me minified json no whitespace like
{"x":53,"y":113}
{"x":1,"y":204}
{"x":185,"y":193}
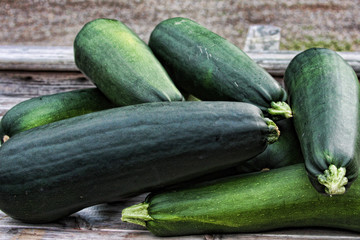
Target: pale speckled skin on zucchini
{"x":56,"y":169}
{"x":258,"y":202}
{"x":45,"y":109}
{"x":211,"y":68}
{"x":121,"y":65}
{"x":324,"y":96}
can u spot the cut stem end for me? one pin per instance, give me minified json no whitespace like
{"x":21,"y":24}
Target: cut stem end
{"x":274,"y":131}
{"x":137,"y":214}
{"x":334,"y":180}
{"x":280,"y":109}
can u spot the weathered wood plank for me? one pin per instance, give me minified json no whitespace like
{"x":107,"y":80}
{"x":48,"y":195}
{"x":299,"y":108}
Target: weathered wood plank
{"x":30,"y":84}
{"x":36,"y":58}
{"x":75,"y":234}
{"x":18,"y":86}
{"x":79,"y":234}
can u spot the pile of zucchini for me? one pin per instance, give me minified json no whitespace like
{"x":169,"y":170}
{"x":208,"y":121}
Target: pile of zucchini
{"x":256,"y":156}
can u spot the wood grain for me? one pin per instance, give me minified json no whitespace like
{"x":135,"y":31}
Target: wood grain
{"x":17,"y":86}
{"x":36,"y":58}
{"x":29,"y":84}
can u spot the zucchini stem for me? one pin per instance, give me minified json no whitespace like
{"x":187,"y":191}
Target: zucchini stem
{"x":137,"y":214}
{"x":274,"y":131}
{"x":334,"y":180}
{"x":281,"y":109}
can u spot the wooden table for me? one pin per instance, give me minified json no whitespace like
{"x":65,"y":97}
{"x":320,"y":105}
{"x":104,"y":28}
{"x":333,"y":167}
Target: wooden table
{"x":27,"y":72}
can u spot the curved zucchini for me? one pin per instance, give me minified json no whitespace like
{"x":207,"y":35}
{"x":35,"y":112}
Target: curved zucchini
{"x":56,"y":169}
{"x":258,"y":202}
{"x":45,"y":109}
{"x":121,"y":65}
{"x":211,"y":68}
{"x":324,"y":95}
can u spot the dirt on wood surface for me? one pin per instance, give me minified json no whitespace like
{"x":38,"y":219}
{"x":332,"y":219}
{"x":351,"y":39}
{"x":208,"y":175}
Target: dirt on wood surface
{"x":335,"y":24}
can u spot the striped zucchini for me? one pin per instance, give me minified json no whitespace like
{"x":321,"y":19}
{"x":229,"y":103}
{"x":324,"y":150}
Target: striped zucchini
{"x":284,"y":152}
{"x":121,"y":65}
{"x":324,"y":96}
{"x":56,"y":169}
{"x":209,"y":67}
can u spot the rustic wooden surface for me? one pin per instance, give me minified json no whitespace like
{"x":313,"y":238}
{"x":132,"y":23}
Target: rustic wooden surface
{"x":37,"y":58}
{"x":17,"y":86}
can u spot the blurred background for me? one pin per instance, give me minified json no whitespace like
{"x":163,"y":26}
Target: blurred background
{"x":304,"y":23}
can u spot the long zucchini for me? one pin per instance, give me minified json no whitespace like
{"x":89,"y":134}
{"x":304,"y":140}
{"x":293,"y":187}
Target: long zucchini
{"x":258,"y":202}
{"x":45,"y":109}
{"x":324,"y":95}
{"x":284,"y":152}
{"x":56,"y":169}
{"x":209,"y":67}
{"x":121,"y":65}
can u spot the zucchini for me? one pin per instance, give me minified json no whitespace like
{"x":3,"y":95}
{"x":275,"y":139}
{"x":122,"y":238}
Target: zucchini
{"x":121,"y":65}
{"x":56,"y":169}
{"x":324,"y":95}
{"x":286,"y":151}
{"x":2,"y":134}
{"x":262,"y":201}
{"x":211,"y":68}
{"x":45,"y":109}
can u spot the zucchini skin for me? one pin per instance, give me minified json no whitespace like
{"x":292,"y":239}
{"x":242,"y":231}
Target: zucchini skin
{"x":2,"y":134}
{"x":121,"y":65}
{"x":45,"y":109}
{"x":262,"y":201}
{"x":57,"y":169}
{"x":211,"y":68}
{"x":284,"y":152}
{"x":324,"y":96}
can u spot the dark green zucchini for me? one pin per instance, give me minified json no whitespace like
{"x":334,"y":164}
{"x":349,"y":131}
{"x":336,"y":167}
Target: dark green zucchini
{"x":324,"y":96}
{"x":2,"y":134}
{"x":209,"y":67}
{"x":121,"y":65}
{"x":45,"y":109}
{"x":56,"y":169}
{"x":262,"y":201}
{"x":284,"y":152}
